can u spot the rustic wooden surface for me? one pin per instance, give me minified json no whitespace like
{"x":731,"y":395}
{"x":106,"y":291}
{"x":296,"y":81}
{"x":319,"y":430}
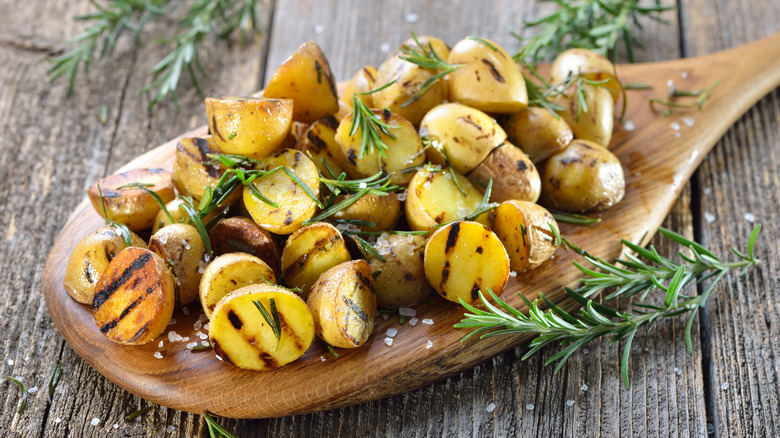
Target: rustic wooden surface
{"x":52,"y":147}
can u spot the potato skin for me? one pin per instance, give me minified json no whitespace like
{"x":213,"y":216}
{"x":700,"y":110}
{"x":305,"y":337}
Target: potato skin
{"x":597,"y":123}
{"x":362,"y":81}
{"x":584,"y":177}
{"x":383,"y":211}
{"x":192,"y":171}
{"x":592,"y":65}
{"x":537,"y":132}
{"x":230,"y":272}
{"x":306,"y":78}
{"x":132,"y":206}
{"x":241,"y":234}
{"x":182,"y":246}
{"x":514,"y":175}
{"x":311,"y":251}
{"x":463,"y":258}
{"x":89,"y":260}
{"x":343,"y":304}
{"x":401,"y":280}
{"x":524,"y":229}
{"x":319,"y":143}
{"x":178,"y":214}
{"x":134,"y":298}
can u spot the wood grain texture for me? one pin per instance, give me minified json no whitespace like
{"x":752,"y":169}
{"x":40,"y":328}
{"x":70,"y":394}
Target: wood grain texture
{"x":452,"y":407}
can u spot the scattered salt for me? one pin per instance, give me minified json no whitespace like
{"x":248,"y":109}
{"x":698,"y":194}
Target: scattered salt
{"x":709,"y":217}
{"x":198,"y":325}
{"x":512,"y":273}
{"x":58,"y":420}
{"x":33,"y":390}
{"x":362,"y":185}
{"x":707,"y":190}
{"x":185,"y":244}
{"x":429,"y":344}
{"x":201,"y":335}
{"x":217,"y":356}
{"x":391,"y":332}
{"x":670,"y":83}
{"x":585,"y":351}
{"x":185,"y":311}
{"x":319,"y":29}
{"x":162,"y":238}
{"x":385,"y":47}
{"x":389,"y":341}
{"x":192,"y":345}
{"x":629,"y":125}
{"x":402,"y":196}
{"x":530,"y":407}
{"x":675,"y":126}
{"x":688,"y":121}
{"x":185,"y":339}
{"x":206,"y":326}
{"x":750,"y":217}
{"x":116,"y":426}
{"x":28,"y":357}
{"x":173,"y":336}
{"x":160,"y":344}
{"x":158,"y":355}
{"x":569,"y":403}
{"x":677,"y":371}
{"x":412,"y":17}
{"x":322,"y":358}
{"x":463,"y":211}
{"x":95,"y":421}
{"x":10,"y":362}
{"x":406,"y":311}
{"x":724,"y":386}
{"x":584,"y":387}
{"x":678,"y":135}
{"x":427,"y":185}
{"x":427,"y":321}
{"x":491,"y":407}
{"x":204,"y":343}
{"x":172,"y":321}
{"x":684,"y":75}
{"x":413,"y":321}
{"x":170,"y":429}
{"x":385,"y":316}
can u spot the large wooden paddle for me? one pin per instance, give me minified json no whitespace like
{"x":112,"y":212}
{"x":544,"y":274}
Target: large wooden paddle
{"x":658,"y":160}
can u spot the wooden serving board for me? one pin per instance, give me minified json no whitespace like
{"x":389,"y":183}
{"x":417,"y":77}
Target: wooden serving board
{"x":658,"y":160}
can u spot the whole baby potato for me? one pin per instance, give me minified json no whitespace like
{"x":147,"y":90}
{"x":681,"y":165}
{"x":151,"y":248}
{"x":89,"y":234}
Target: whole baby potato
{"x":538,"y":132}
{"x":514,"y":175}
{"x":130,"y":205}
{"x":584,"y":177}
{"x":400,"y":281}
{"x":597,"y":122}
{"x":588,"y":63}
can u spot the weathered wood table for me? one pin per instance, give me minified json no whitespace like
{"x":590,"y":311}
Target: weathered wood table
{"x":52,"y":147}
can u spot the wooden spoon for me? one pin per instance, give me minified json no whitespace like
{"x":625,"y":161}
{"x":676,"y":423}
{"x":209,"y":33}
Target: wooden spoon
{"x":658,"y":159}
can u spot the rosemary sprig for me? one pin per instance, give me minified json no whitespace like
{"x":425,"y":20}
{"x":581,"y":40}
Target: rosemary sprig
{"x":426,"y":58}
{"x":701,"y":96}
{"x":138,"y":413}
{"x":54,"y":380}
{"x":215,"y":430}
{"x":370,"y":125}
{"x":593,"y":320}
{"x":120,"y":228}
{"x":154,"y":196}
{"x":366,"y":246}
{"x":23,"y":388}
{"x":573,"y":218}
{"x":483,"y":207}
{"x":272,"y":318}
{"x":598,"y":25}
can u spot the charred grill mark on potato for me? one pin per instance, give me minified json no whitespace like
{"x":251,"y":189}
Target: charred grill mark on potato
{"x":475,"y":292}
{"x":88,"y":272}
{"x":140,"y":332}
{"x":452,"y":237}
{"x":235,"y":321}
{"x":355,"y":309}
{"x":104,"y":294}
{"x":106,"y":327}
{"x":220,"y":352}
{"x":494,"y":71}
{"x":215,"y":129}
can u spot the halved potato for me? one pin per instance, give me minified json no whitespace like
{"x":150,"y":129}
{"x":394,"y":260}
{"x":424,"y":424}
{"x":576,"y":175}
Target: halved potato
{"x":182,"y":247}
{"x":319,"y":143}
{"x":400,"y":280}
{"x":241,"y":336}
{"x":132,"y":206}
{"x":249,"y":126}
{"x":305,"y":77}
{"x":525,"y":230}
{"x":134,"y":298}
{"x":343,"y":304}
{"x":228,"y":273}
{"x":193,"y":170}
{"x":294,"y":206}
{"x":464,"y":258}
{"x":382,"y":211}
{"x":514,"y":175}
{"x":179,"y":215}
{"x":538,"y":132}
{"x":433,"y":198}
{"x":241,"y":234}
{"x":364,"y":80}
{"x":89,"y":260}
{"x":309,"y":252}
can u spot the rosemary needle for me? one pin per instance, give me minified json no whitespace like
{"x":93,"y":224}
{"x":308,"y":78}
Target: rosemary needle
{"x":215,"y":429}
{"x":370,"y":125}
{"x":54,"y":380}
{"x":429,"y":59}
{"x":138,"y":413}
{"x":23,"y":388}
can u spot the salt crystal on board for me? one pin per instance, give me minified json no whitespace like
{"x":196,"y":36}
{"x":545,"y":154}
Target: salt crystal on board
{"x":569,"y":403}
{"x":95,"y":421}
{"x":724,"y":386}
{"x":158,"y":355}
{"x":530,"y":407}
{"x":389,"y":342}
{"x":10,"y":362}
{"x":675,"y":126}
{"x":406,"y":311}
{"x":429,"y":344}
{"x":172,"y":322}
{"x":322,"y":358}
{"x":160,"y":344}
{"x":584,"y":387}
{"x":491,"y":407}
{"x":629,"y":125}
{"x":192,"y":345}
{"x":391,"y":332}
{"x":28,"y":357}
{"x":32,"y":390}
{"x":684,"y":75}
{"x":688,"y":121}
{"x":385,"y":47}
{"x":750,"y":217}
{"x":319,"y":29}
{"x":677,"y":371}
{"x":709,"y":217}
{"x":185,"y":311}
{"x":413,"y":321}
{"x":170,"y":429}
{"x":412,"y":17}
{"x":116,"y":426}
{"x":512,"y":273}
{"x":58,"y":420}
{"x":427,"y":321}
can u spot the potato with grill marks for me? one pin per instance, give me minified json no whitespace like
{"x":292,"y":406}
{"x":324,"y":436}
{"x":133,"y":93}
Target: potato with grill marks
{"x":343,"y":304}
{"x":525,"y":230}
{"x":228,"y":273}
{"x":178,"y":215}
{"x":241,"y":234}
{"x":382,"y":211}
{"x":129,"y":205}
{"x":514,"y":175}
{"x":134,"y":298}
{"x":362,"y":81}
{"x":319,"y":143}
{"x":309,"y":252}
{"x":538,"y":132}
{"x":249,"y":126}
{"x":193,"y":170}
{"x":89,"y":260}
{"x":241,"y":335}
{"x":294,"y":206}
{"x":464,"y":258}
{"x":181,"y":246}
{"x":433,"y":198}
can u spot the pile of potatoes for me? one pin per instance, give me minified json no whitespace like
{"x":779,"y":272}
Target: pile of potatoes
{"x":269,"y":281}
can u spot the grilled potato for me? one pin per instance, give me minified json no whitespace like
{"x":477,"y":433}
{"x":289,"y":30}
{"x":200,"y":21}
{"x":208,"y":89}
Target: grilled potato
{"x":294,"y":205}
{"x":525,"y":230}
{"x":464,"y":258}
{"x":89,"y":260}
{"x":584,"y":177}
{"x":461,"y":134}
{"x":588,"y":63}
{"x":514,"y":175}
{"x":382,"y":211}
{"x":400,"y":280}
{"x":241,"y":335}
{"x":309,"y":252}
{"x":597,"y":122}
{"x":363,"y":81}
{"x":305,"y":77}
{"x":193,"y":170}
{"x":178,"y":215}
{"x":182,"y":247}
{"x":134,"y":298}
{"x":319,"y":143}
{"x":433,"y":198}
{"x":249,"y":126}
{"x":132,"y":206}
{"x":537,"y":132}
{"x":240,"y":234}
{"x":343,"y":304}
{"x":228,"y":273}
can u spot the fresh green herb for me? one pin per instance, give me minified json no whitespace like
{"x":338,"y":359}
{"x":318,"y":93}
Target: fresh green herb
{"x":198,"y":223}
{"x":23,"y":388}
{"x":454,"y":175}
{"x":701,"y":96}
{"x":426,"y":58}
{"x":241,"y":246}
{"x":355,"y":222}
{"x":232,"y":136}
{"x":558,"y":327}
{"x":483,"y":41}
{"x":367,"y":247}
{"x":306,"y":189}
{"x":138,"y":413}
{"x":573,"y":218}
{"x":153,"y":194}
{"x":376,"y":185}
{"x":232,"y":160}
{"x":557,"y":239}
{"x":272,"y":318}
{"x":370,"y":125}
{"x":598,"y":25}
{"x":199,"y":348}
{"x":637,"y":86}
{"x":112,"y":19}
{"x":54,"y":380}
{"x":120,"y":228}
{"x":102,"y":114}
{"x":215,"y":429}
{"x":332,"y":350}
{"x":401,"y":319}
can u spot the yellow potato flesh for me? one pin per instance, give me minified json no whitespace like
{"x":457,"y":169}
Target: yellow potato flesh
{"x":253,"y":127}
{"x":363,"y":81}
{"x":228,"y":273}
{"x":433,"y":199}
{"x":311,"y":251}
{"x":319,"y":143}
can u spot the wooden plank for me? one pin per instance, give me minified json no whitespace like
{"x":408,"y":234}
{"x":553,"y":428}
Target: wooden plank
{"x":740,"y":178}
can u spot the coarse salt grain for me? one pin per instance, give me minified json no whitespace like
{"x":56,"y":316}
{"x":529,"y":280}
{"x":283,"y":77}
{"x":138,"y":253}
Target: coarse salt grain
{"x":33,"y":390}
{"x":584,"y":387}
{"x":206,"y":326}
{"x":709,"y":217}
{"x":185,"y":311}
{"x":391,"y":332}
{"x":427,"y":321}
{"x":688,"y":121}
{"x":389,"y":341}
{"x":185,"y":339}
{"x":670,"y":83}
{"x":569,"y":403}
{"x":429,"y":344}
{"x":412,"y":17}
{"x":385,"y":316}
{"x":95,"y":421}
{"x":116,"y":426}
{"x":58,"y":420}
{"x":491,"y":407}
{"x":10,"y":362}
{"x":724,"y":386}
{"x":319,"y":29}
{"x":585,"y":351}
{"x":427,"y":185}
{"x":192,"y":345}
{"x":678,"y":135}
{"x":202,"y":335}
{"x":406,"y":311}
{"x":512,"y":274}
{"x":172,"y":321}
{"x":160,"y":344}
{"x":530,"y":407}
{"x":675,"y":126}
{"x":198,"y":325}
{"x":27,"y":358}
{"x":217,"y":356}
{"x":707,"y":190}
{"x":413,"y":321}
{"x":158,"y":355}
{"x":750,"y":217}
{"x":684,"y":75}
{"x":170,"y":429}
{"x":204,"y":343}
{"x":629,"y":125}
{"x":677,"y":371}
{"x":185,"y":244}
{"x":402,"y":196}
{"x":385,"y":47}
{"x":173,"y":336}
